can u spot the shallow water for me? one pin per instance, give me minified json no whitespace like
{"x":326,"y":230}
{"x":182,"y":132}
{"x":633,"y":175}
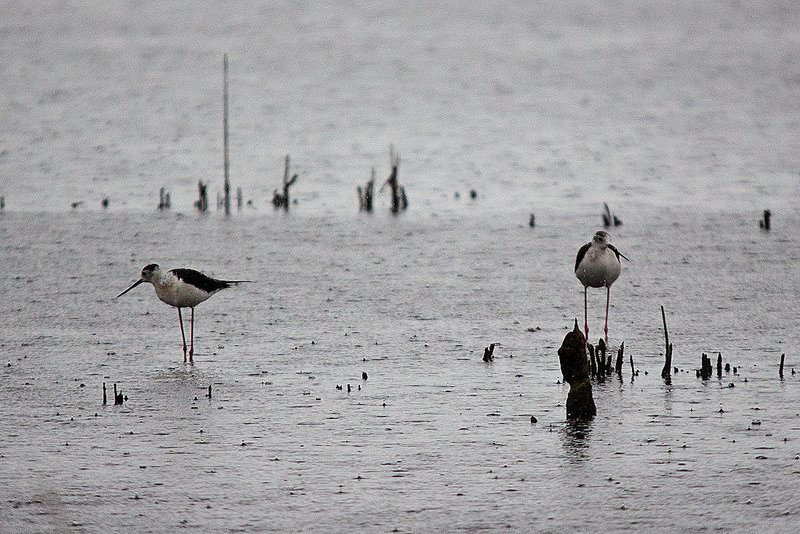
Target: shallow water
{"x":682,"y":117}
{"x":434,"y":439}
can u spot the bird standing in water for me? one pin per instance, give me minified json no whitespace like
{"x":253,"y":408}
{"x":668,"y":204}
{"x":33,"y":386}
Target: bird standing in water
{"x":597,"y":265}
{"x":182,"y":288}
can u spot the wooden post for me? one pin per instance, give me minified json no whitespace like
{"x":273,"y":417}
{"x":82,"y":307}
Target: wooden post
{"x":488,"y":353}
{"x":780,"y":370}
{"x":765,"y":222}
{"x":666,"y":372}
{"x":706,"y":369}
{"x":633,"y":369}
{"x":105,"y":400}
{"x":620,"y":352}
{"x":279,"y":199}
{"x":366,"y":193}
{"x":369,"y":192}
{"x":575,"y":369}
{"x":719,"y":365}
{"x":202,"y":194}
{"x":226,"y":161}
{"x":399,"y":198}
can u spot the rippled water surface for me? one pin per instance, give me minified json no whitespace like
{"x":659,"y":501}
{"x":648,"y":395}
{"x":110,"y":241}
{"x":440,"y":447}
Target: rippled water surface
{"x":682,"y":117}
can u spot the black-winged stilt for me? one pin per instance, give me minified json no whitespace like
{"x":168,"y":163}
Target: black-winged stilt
{"x":597,"y":265}
{"x":182,"y":288}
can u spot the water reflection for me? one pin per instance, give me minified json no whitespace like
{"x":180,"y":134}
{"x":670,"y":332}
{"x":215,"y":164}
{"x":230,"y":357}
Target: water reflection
{"x":575,"y":438}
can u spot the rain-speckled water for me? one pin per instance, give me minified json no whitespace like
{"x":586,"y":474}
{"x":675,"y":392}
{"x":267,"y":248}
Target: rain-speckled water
{"x":683,"y":117}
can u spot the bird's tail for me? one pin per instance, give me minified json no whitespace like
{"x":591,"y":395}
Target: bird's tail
{"x":229,"y":283}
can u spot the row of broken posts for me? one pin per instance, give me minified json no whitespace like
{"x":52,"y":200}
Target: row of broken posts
{"x":602,"y":362}
{"x":281,"y":198}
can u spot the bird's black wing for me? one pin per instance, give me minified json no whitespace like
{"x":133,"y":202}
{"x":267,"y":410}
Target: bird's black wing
{"x":617,"y":252}
{"x":199,"y":280}
{"x":581,"y":254}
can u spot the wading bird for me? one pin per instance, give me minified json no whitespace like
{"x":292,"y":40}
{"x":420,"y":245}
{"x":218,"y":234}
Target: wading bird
{"x":597,"y":265}
{"x":182,"y":288}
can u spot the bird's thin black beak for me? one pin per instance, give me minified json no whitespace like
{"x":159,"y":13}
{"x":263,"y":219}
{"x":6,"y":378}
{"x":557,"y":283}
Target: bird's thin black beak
{"x":623,"y":256}
{"x":134,"y":285}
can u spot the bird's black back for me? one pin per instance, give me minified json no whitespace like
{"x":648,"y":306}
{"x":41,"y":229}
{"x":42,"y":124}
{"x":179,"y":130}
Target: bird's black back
{"x":581,"y":254}
{"x":199,"y":280}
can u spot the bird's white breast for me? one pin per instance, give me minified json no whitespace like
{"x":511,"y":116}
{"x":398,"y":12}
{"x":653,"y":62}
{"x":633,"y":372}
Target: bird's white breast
{"x":175,"y":292}
{"x":599,"y":267}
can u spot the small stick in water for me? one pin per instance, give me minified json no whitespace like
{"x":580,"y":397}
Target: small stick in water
{"x":780,"y":371}
{"x":665,"y":372}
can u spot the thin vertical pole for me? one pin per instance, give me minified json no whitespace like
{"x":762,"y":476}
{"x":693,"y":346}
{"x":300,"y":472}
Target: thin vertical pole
{"x":226,"y":163}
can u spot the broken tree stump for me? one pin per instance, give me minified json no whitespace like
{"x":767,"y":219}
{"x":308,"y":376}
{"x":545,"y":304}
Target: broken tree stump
{"x":488,"y":353}
{"x":366,"y":194}
{"x":764,"y":223}
{"x":706,"y":369}
{"x":281,"y":200}
{"x":666,"y":371}
{"x":163,"y":202}
{"x":399,"y":199}
{"x":620,"y":354}
{"x":202,"y":193}
{"x":575,"y":369}
{"x":610,"y":219}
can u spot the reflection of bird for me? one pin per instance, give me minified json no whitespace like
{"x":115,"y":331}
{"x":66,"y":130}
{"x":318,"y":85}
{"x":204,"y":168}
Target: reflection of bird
{"x":182,"y":288}
{"x":597,"y":265}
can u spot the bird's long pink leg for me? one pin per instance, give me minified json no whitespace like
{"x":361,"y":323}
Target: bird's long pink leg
{"x":608,"y":299}
{"x":183,"y":336}
{"x":586,"y":313}
{"x":191,"y":350}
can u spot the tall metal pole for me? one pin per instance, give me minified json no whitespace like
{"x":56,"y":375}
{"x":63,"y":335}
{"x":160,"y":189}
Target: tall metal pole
{"x":226,"y":163}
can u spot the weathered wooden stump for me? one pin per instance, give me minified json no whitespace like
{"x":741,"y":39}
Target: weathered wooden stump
{"x":282,"y":199}
{"x":202,"y":196}
{"x":575,"y":369}
{"x":399,"y":199}
{"x":488,"y":353}
{"x":366,"y":194}
{"x":764,"y":223}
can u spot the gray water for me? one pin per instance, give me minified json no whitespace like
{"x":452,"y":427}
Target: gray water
{"x":683,"y":118}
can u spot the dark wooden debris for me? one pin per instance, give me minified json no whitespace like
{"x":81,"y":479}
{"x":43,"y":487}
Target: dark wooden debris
{"x":399,"y":199}
{"x":202,"y":196}
{"x":366,"y":194}
{"x":665,"y":371}
{"x":609,"y":219}
{"x":488,"y":353}
{"x":281,"y":200}
{"x":765,"y":223}
{"x":163,"y":202}
{"x":575,"y":369}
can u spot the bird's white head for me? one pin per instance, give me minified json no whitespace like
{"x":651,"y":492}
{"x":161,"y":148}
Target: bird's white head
{"x":149,"y":272}
{"x":601,"y":238}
